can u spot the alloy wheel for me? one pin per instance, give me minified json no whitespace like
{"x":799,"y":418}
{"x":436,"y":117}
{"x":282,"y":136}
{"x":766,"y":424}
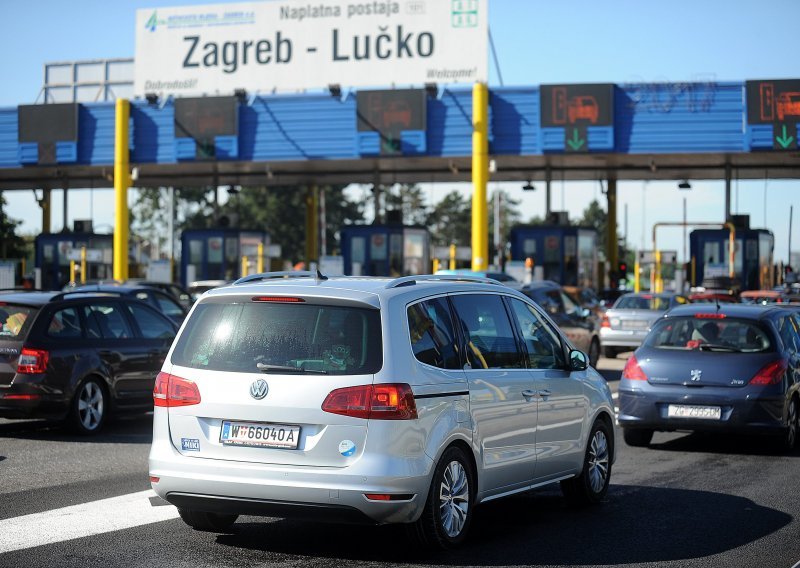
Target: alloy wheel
{"x":90,"y":406}
{"x":454,"y":499}
{"x":792,"y":420}
{"x":598,"y":461}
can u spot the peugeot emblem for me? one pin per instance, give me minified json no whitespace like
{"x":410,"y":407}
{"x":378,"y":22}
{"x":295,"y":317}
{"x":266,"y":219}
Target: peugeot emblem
{"x":259,"y":389}
{"x":696,"y":374}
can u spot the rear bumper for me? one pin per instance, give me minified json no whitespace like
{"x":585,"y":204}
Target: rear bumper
{"x":745,"y":412}
{"x":619,"y":338}
{"x":266,"y":508}
{"x":43,"y":404}
{"x":321,"y":493}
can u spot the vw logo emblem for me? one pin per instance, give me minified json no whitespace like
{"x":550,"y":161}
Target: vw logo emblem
{"x":259,"y":389}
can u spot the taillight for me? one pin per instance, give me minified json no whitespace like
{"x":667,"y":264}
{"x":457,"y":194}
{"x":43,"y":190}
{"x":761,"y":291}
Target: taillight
{"x":633,"y":371}
{"x":279,"y":299}
{"x":171,"y":391}
{"x":32,"y":361}
{"x":770,"y":374}
{"x":376,"y":402}
{"x":605,"y":322}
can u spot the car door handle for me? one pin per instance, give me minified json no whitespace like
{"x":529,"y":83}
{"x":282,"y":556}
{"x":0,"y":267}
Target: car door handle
{"x":529,"y":393}
{"x":544,"y":393}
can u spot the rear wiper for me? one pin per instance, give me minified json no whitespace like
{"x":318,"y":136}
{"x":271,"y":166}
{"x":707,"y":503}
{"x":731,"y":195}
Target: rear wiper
{"x":267,"y":368}
{"x":717,"y":347}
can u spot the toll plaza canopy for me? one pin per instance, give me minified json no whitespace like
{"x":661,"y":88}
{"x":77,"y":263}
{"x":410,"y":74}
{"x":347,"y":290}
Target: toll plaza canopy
{"x":575,"y":132}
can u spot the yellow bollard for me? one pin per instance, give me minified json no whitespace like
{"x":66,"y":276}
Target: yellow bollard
{"x":260,"y":259}
{"x":452,"y":257}
{"x":637,"y":277}
{"x":435,"y":266}
{"x":244,"y":267}
{"x":72,"y":272}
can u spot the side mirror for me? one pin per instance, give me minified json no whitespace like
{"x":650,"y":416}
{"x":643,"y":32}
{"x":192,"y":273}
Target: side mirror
{"x":578,"y":360}
{"x":585,"y":313}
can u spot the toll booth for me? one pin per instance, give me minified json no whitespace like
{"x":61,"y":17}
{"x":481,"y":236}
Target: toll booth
{"x":752,"y":259}
{"x":385,"y":250}
{"x":54,"y":251}
{"x":216,"y":254}
{"x":567,"y":255}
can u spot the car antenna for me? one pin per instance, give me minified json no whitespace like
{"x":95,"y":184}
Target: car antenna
{"x":716,"y":301}
{"x":320,"y":276}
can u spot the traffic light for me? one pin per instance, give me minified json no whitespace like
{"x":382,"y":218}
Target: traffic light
{"x":622,"y":268}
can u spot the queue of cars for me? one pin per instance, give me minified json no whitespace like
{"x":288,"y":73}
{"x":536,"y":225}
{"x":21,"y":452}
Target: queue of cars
{"x":283,"y":385}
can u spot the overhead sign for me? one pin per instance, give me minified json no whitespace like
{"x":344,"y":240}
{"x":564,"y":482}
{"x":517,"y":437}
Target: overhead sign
{"x":291,"y":45}
{"x":777,"y":103}
{"x":48,"y":123}
{"x":389,"y":113}
{"x":576,"y":107}
{"x":203,"y":119}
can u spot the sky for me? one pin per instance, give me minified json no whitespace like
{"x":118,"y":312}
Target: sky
{"x":536,"y":42}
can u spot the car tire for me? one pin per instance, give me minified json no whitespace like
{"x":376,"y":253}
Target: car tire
{"x":448,"y":509}
{"x":610,"y":352}
{"x":790,"y":440}
{"x":90,"y":407}
{"x":594,"y":352}
{"x":637,"y":437}
{"x":208,"y":522}
{"x":591,"y":486}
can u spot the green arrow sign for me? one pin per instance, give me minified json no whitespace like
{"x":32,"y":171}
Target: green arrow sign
{"x":785,"y":140}
{"x":576,"y":141}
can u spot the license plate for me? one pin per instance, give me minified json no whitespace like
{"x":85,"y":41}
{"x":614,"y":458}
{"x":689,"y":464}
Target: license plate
{"x":638,"y":325}
{"x":259,"y":435}
{"x":702,"y":412}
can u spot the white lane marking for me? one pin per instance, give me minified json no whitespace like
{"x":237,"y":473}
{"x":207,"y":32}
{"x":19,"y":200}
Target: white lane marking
{"x":78,"y":521}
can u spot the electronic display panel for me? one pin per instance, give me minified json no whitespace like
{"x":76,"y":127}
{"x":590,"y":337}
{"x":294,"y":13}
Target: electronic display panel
{"x":204,"y":118}
{"x":564,"y":105}
{"x":389,"y":113}
{"x":48,"y":124}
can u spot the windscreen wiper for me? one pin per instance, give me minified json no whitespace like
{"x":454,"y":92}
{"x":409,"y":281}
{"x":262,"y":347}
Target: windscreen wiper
{"x":718,"y":347}
{"x":267,"y":368}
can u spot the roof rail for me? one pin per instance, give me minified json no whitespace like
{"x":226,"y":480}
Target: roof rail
{"x":318,"y":276}
{"x":411,"y":280}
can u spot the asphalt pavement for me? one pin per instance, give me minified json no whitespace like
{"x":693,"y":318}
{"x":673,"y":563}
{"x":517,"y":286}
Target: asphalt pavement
{"x":687,"y":501}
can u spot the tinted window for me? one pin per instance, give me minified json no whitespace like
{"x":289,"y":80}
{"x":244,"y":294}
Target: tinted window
{"x":644,"y":302}
{"x":337,"y":340}
{"x":432,"y":334}
{"x":151,"y":324}
{"x":64,"y":324}
{"x":542,"y":342}
{"x":106,"y":321}
{"x":788,"y":332}
{"x":15,"y":321}
{"x":168,"y":306}
{"x":726,"y":334}
{"x":487,"y":329}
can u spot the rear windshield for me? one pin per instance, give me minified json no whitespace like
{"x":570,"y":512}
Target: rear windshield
{"x":15,"y":321}
{"x":727,"y":334}
{"x":643,"y":303}
{"x":253,"y":337}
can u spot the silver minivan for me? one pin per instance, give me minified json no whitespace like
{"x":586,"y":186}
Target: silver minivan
{"x":408,"y":400}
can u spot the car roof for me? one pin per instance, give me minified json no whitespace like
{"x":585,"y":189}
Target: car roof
{"x":539,"y":284}
{"x":649,"y":295}
{"x":119,"y":288}
{"x":36,"y":298}
{"x":746,"y":311}
{"x":365,"y":289}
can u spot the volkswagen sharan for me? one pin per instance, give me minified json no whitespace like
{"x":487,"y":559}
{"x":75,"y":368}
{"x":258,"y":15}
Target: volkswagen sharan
{"x":409,"y":400}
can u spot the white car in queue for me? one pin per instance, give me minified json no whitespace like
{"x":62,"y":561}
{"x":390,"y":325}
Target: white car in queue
{"x":408,"y":400}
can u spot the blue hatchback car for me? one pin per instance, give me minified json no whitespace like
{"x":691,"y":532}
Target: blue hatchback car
{"x":726,"y":368}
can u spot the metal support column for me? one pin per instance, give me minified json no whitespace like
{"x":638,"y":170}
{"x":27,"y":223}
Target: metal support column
{"x":547,"y":193}
{"x":65,"y":216}
{"x":44,"y":204}
{"x":312,"y":226}
{"x":480,"y":176}
{"x":122,"y":181}
{"x":727,"y":192}
{"x":611,"y":238}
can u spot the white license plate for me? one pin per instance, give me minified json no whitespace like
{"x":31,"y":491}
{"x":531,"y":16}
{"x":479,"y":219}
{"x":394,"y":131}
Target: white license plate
{"x":259,"y":435}
{"x":634,"y":324}
{"x":702,"y":412}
